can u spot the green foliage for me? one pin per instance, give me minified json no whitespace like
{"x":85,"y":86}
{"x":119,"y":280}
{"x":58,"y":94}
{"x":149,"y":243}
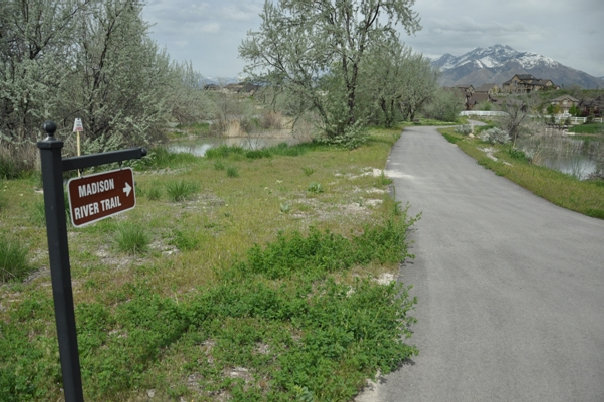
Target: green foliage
{"x":258,"y":154}
{"x":8,"y":168}
{"x":308,"y":171}
{"x":589,"y":128}
{"x":517,"y":154}
{"x":323,"y":252}
{"x":218,"y":165}
{"x":131,"y":238}
{"x":181,"y":190}
{"x":13,"y":260}
{"x":153,"y":193}
{"x":464,"y":129}
{"x":315,"y":188}
{"x":185,"y":240}
{"x":495,"y":135}
{"x":161,"y":158}
{"x":444,"y":106}
{"x":352,"y":138}
{"x":223,"y":151}
{"x":383,"y":180}
{"x":208,"y":320}
{"x":232,"y":171}
{"x":452,"y":138}
{"x":325,"y":79}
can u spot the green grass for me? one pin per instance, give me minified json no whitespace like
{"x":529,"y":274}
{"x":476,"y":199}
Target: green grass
{"x":232,"y":171}
{"x":252,"y":290}
{"x":589,"y":128}
{"x":13,"y":260}
{"x":131,"y":238}
{"x":181,"y":190}
{"x":586,"y":197}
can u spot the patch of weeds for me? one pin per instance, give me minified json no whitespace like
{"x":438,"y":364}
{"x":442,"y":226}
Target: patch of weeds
{"x":161,"y":158}
{"x":13,"y":260}
{"x":131,"y":238}
{"x":284,"y":207}
{"x":181,"y":190}
{"x":38,"y":213}
{"x":315,"y":187}
{"x":323,"y":252}
{"x":516,"y":154}
{"x":232,"y":171}
{"x":383,"y":180}
{"x":218,"y":165}
{"x":308,"y":171}
{"x":452,"y":138}
{"x":9,"y":169}
{"x":153,"y":193}
{"x":184,"y":240}
{"x":258,"y":154}
{"x":224,"y":151}
{"x":285,"y":150}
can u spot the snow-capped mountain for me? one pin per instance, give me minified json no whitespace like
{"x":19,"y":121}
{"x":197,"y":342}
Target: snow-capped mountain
{"x":497,"y":64}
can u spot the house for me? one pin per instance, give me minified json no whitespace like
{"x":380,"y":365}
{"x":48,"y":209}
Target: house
{"x":489,"y":88}
{"x":564,"y":103}
{"x":592,"y":107}
{"x":464,"y":93}
{"x":525,"y":83}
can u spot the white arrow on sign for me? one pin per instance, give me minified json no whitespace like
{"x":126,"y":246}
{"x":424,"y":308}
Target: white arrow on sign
{"x":127,"y":189}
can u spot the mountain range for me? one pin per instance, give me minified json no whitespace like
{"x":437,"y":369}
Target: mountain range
{"x":499,"y":63}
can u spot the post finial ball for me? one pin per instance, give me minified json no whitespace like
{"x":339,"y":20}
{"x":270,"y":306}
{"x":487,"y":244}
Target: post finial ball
{"x":50,"y":127}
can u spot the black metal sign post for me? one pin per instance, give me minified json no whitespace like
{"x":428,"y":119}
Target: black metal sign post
{"x":58,"y":251}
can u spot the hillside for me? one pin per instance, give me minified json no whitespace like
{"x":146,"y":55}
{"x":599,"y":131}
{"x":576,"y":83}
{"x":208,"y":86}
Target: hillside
{"x":497,"y":64}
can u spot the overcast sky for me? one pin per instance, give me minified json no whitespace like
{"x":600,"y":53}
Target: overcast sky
{"x":208,"y":33}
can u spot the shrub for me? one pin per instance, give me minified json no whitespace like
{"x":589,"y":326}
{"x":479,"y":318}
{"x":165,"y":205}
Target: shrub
{"x":464,"y":129}
{"x":495,"y":135}
{"x":517,"y":154}
{"x":353,"y":137}
{"x":13,"y":260}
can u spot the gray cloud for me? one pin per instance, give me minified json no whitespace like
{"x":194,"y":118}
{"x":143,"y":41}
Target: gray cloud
{"x":208,"y":33}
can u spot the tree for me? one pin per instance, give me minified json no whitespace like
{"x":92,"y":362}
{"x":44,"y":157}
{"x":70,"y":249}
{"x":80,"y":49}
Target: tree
{"x":120,"y":79}
{"x":314,"y":50}
{"x":93,"y":59}
{"x":34,"y":39}
{"x":444,"y":106}
{"x":397,"y":81}
{"x":517,"y":109}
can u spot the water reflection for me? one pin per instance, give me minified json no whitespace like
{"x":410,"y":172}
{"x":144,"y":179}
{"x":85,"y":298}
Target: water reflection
{"x":200,"y":146}
{"x":576,"y":157}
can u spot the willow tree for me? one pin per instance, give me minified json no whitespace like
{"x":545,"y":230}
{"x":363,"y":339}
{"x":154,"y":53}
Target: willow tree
{"x":314,"y":51}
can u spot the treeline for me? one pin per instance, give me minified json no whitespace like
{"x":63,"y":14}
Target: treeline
{"x":343,"y":62}
{"x":92,"y":59}
{"x":339,"y":65}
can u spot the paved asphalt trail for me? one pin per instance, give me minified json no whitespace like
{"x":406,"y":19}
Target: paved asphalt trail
{"x":510,"y":287}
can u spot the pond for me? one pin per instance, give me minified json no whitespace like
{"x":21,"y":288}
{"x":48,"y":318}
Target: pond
{"x":200,"y":146}
{"x":577,"y":157}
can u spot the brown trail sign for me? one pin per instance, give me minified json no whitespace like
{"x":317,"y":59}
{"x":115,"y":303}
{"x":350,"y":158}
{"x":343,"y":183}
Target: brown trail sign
{"x":100,"y":195}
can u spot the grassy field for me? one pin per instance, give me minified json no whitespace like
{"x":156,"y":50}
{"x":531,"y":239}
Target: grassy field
{"x":586,"y":197}
{"x":245,"y":275}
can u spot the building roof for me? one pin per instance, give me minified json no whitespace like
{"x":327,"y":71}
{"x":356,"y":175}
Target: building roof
{"x":485,"y":87}
{"x":565,"y":97}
